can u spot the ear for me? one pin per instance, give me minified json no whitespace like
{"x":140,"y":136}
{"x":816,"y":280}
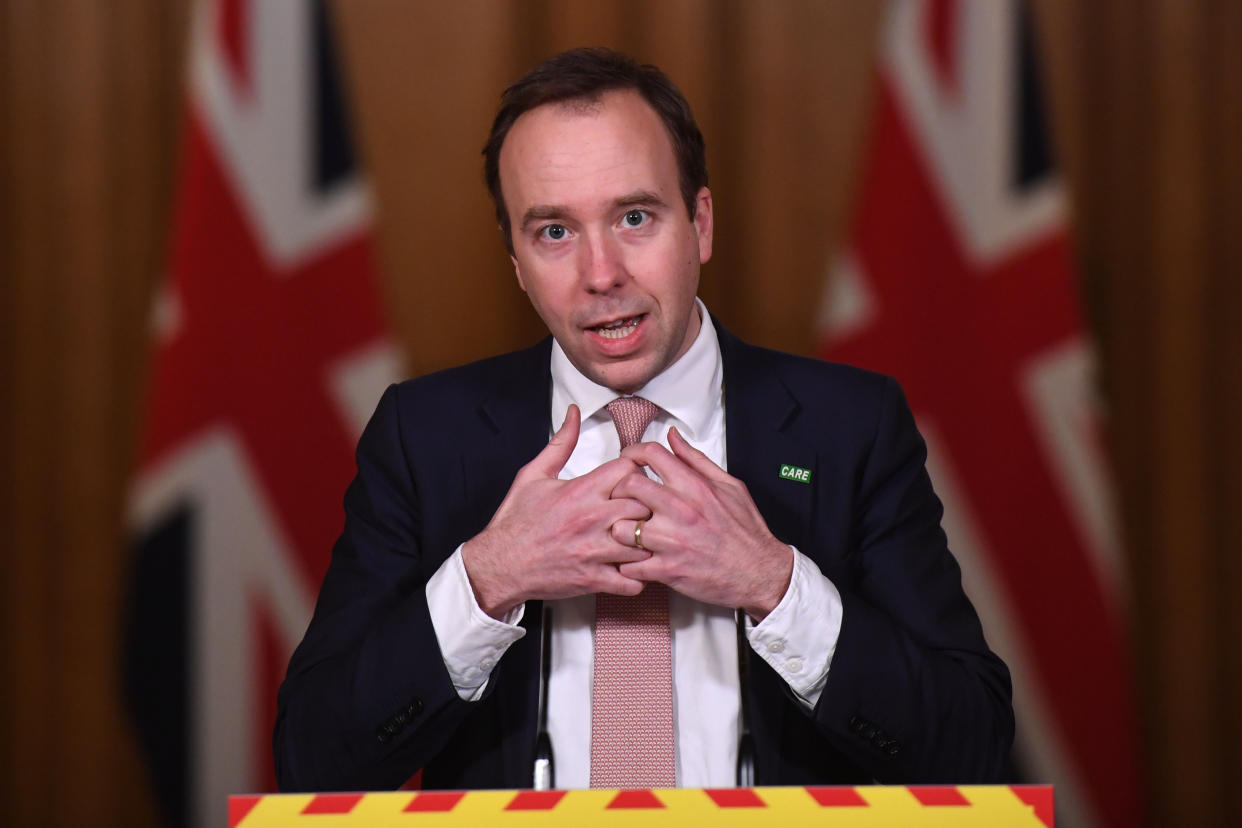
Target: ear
{"x":517,"y":269}
{"x":704,"y":223}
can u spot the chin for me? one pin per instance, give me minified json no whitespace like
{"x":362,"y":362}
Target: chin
{"x":626,"y":381}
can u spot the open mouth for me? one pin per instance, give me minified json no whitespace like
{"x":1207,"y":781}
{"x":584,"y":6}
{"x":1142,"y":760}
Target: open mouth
{"x":619,"y":328}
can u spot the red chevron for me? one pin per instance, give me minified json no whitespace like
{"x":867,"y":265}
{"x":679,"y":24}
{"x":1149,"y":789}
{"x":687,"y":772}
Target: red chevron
{"x":535,"y":801}
{"x":434,"y":801}
{"x":937,"y":795}
{"x":239,"y":807}
{"x":332,"y":804}
{"x":735,"y":798}
{"x":837,"y":797}
{"x":636,"y":800}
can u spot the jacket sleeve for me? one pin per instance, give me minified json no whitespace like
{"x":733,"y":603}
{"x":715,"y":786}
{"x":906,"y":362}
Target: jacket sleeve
{"x":367,"y":699}
{"x":913,"y":693}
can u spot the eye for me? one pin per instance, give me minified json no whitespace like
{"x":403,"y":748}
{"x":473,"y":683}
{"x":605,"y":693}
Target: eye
{"x":554,"y":232}
{"x":635,"y":218}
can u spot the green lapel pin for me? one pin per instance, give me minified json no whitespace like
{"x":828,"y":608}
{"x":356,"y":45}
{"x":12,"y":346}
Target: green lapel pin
{"x":789,"y":472}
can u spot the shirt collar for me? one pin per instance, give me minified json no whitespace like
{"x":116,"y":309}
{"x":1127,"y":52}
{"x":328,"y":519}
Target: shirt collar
{"x":689,"y":389}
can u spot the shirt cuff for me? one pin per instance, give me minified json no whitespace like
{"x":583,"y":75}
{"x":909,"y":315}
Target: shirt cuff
{"x":471,"y":641}
{"x":799,"y":637}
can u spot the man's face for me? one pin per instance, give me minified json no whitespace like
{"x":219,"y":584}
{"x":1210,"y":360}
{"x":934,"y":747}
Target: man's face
{"x":602,"y":242}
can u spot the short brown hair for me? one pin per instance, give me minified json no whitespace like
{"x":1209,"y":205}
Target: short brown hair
{"x":584,"y":74}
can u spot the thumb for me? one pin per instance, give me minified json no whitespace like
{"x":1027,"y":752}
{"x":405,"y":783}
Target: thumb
{"x":550,"y":461}
{"x":694,"y":458}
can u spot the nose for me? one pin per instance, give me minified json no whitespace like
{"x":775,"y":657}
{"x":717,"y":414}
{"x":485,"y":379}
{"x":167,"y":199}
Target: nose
{"x":601,"y":264}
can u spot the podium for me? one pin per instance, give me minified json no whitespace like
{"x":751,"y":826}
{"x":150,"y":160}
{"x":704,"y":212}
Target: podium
{"x":960,"y":806}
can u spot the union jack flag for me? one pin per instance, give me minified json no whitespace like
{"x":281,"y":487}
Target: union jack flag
{"x":270,"y":354}
{"x":959,"y":279}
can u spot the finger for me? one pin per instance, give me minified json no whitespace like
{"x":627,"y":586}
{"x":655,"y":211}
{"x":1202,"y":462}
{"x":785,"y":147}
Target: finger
{"x":694,"y":458}
{"x":604,"y":478}
{"x":656,"y":497}
{"x":550,"y":461}
{"x":614,"y":583}
{"x":672,"y":470}
{"x":618,"y":553}
{"x":624,"y":532}
{"x":646,"y":570}
{"x":627,"y":508}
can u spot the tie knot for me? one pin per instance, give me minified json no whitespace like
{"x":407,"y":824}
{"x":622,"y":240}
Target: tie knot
{"x":631,"y":416}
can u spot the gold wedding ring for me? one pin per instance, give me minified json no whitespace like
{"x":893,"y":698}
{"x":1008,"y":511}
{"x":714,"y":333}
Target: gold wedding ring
{"x":638,"y":534}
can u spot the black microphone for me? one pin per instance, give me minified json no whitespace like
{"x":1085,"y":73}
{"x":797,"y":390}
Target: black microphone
{"x":544,"y":777}
{"x":745,"y":743}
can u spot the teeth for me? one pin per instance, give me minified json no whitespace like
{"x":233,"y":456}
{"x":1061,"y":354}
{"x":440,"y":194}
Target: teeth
{"x":619,"y":329}
{"x":618,"y":333}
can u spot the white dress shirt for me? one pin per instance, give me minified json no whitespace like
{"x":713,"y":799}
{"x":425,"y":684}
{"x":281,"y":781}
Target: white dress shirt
{"x":797,"y":638}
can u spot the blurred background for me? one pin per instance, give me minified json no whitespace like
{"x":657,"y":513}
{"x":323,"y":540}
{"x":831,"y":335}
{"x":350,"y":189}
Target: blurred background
{"x":104,"y":143}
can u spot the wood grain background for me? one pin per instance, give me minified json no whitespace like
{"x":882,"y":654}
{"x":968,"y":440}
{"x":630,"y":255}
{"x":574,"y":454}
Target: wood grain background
{"x":1147,"y":101}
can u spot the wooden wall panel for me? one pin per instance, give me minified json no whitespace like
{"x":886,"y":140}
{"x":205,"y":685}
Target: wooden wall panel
{"x":1180,"y":452}
{"x":1223,"y":90}
{"x":90,"y":96}
{"x":794,"y":108}
{"x":424,"y":112}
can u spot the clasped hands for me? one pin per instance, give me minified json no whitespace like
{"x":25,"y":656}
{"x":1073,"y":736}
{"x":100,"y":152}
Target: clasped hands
{"x":701,"y":535}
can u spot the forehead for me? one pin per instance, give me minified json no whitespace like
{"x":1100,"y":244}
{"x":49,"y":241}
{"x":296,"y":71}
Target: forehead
{"x":571,"y":153}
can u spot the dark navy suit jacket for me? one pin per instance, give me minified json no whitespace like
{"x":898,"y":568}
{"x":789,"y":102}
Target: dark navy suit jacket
{"x":913,"y":693}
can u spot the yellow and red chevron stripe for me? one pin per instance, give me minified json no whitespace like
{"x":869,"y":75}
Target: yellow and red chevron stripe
{"x":846,"y":807}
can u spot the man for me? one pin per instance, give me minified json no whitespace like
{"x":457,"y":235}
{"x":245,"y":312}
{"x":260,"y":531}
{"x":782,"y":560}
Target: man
{"x":725,"y":539}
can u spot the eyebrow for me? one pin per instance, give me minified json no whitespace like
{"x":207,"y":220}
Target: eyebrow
{"x":541,"y":212}
{"x":638,"y":198}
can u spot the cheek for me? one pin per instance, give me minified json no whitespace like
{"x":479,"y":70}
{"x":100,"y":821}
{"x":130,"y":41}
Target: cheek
{"x":662,"y":269}
{"x":551,"y":298}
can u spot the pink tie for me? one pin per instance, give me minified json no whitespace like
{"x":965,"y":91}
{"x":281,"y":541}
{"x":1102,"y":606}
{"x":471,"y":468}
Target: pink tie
{"x":632,"y":692}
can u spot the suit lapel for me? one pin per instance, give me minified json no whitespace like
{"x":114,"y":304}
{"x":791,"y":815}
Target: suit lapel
{"x":512,"y":427}
{"x":514,"y":419}
{"x":760,"y":415}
